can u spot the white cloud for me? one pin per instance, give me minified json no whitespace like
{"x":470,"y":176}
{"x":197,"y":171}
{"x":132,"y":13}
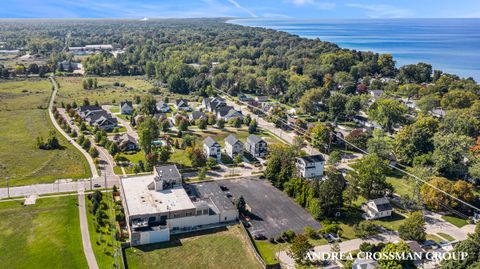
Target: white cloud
{"x":383,"y":11}
{"x":314,"y":3}
{"x":237,"y":5}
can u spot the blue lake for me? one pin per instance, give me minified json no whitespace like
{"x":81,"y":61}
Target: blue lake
{"x":450,"y":45}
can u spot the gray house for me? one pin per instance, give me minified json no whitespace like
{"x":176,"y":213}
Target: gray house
{"x":212,"y":149}
{"x":256,"y":146}
{"x":161,"y":106}
{"x":233,"y":146}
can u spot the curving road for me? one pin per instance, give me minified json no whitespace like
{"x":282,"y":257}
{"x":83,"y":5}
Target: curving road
{"x":93,"y":168}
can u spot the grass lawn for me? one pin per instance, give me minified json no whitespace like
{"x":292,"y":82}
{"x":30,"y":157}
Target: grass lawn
{"x":455,"y":221}
{"x":133,"y":158}
{"x":224,"y":248}
{"x":102,"y":242}
{"x":434,"y":238}
{"x":401,"y":185}
{"x":44,"y":235}
{"x":446,"y":236}
{"x":23,"y":117}
{"x":269,"y":250}
{"x":71,"y":89}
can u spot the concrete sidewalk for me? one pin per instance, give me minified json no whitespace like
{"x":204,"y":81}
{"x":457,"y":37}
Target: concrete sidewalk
{"x":87,"y":245}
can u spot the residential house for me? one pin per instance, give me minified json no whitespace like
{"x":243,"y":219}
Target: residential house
{"x":233,"y":146}
{"x":438,"y":113}
{"x":126,"y":142}
{"x":261,"y":99}
{"x":256,"y":146}
{"x":375,"y":94}
{"x":67,"y":66}
{"x":182,"y":104}
{"x":212,"y":104}
{"x":377,"y":208}
{"x":227,"y":113}
{"x":163,"y":107}
{"x":311,"y":167}
{"x":196,"y":115}
{"x":126,"y":108}
{"x":159,"y":206}
{"x":95,"y":116}
{"x":212,"y":149}
{"x":364,"y":264}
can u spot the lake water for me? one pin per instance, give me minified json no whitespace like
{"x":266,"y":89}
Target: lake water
{"x":451,"y":45}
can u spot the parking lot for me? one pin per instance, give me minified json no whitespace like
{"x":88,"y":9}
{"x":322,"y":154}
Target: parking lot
{"x":273,"y":211}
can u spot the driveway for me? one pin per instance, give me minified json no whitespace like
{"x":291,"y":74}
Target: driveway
{"x":273,"y":211}
{"x":435,"y":224}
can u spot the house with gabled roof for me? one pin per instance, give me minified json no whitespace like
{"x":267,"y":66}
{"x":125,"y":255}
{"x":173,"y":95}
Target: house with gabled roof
{"x":377,"y":208}
{"x":197,"y":115}
{"x":125,"y":142}
{"x":162,"y":106}
{"x":182,"y":104}
{"x":256,"y":146}
{"x":310,"y":167}
{"x":233,"y":146}
{"x":212,"y":149}
{"x":126,"y":107}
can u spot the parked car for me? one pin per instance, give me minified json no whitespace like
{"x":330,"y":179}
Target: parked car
{"x":229,"y":195}
{"x":96,"y":185}
{"x":334,"y":236}
{"x":259,"y":237}
{"x":223,"y":188}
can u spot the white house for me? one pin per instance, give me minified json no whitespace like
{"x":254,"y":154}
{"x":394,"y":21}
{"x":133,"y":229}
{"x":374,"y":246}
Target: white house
{"x":377,"y":208}
{"x":126,"y":108}
{"x":311,"y":166}
{"x":212,"y":149}
{"x":233,"y":146}
{"x":256,"y":146}
{"x":159,"y":205}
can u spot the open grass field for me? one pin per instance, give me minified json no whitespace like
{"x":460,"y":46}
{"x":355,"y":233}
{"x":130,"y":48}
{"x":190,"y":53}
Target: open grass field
{"x":71,"y":90}
{"x":23,"y":117}
{"x":44,"y":235}
{"x":226,"y":248}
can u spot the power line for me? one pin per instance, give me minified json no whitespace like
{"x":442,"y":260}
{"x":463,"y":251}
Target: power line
{"x":302,"y":131}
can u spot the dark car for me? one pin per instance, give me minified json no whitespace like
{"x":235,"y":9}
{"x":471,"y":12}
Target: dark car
{"x":223,"y":188}
{"x":259,"y":237}
{"x":96,"y":185}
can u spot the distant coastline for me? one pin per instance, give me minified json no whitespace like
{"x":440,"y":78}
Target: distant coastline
{"x":450,"y":45}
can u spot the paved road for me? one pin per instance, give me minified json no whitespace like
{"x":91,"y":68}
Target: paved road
{"x":87,"y":245}
{"x":287,"y":136}
{"x":52,"y":118}
{"x":345,"y":246}
{"x":435,"y":224}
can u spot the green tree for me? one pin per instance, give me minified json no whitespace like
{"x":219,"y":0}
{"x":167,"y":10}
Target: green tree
{"x":413,"y":228}
{"x":300,"y":247}
{"x":450,"y":152}
{"x":220,"y":124}
{"x":241,"y":205}
{"x":395,"y":249}
{"x":310,"y":101}
{"x":387,"y":113}
{"x":330,"y":192}
{"x":369,"y":176}
{"x":320,"y":137}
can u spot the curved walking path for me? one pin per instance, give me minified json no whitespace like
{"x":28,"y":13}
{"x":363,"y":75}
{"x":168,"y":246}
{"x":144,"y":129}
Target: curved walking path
{"x":93,"y":168}
{"x":87,"y":245}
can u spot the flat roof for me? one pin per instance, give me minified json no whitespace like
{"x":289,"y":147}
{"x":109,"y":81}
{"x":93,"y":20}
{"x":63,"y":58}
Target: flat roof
{"x":140,"y":200}
{"x":211,"y":191}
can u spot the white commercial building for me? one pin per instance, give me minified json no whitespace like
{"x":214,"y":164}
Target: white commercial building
{"x":159,"y":205}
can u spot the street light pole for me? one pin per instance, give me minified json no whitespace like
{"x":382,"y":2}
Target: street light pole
{"x":8,"y":188}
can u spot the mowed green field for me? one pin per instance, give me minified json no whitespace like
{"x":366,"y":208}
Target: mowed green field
{"x":44,"y":235}
{"x":23,"y":117}
{"x":222,"y":249}
{"x":71,"y":89}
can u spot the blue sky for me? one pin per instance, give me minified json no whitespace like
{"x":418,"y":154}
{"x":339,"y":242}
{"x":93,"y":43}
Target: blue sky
{"x":240,"y":8}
